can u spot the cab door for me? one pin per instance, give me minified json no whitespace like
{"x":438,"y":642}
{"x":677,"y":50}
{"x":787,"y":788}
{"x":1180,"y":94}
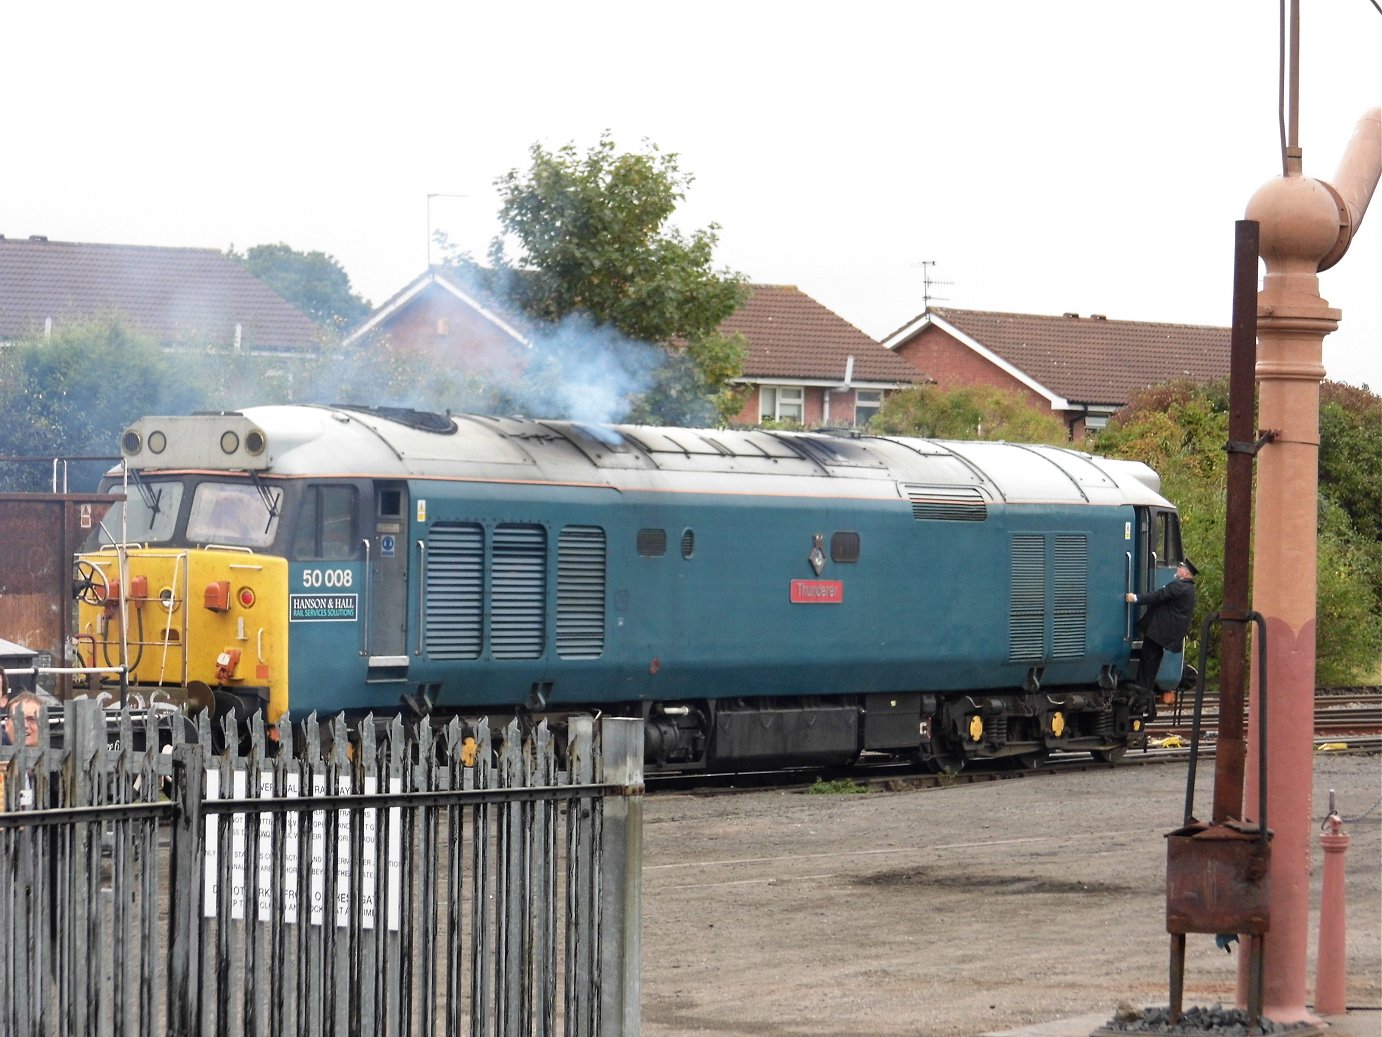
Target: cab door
{"x":1158,"y":551}
{"x":1159,"y":538}
{"x":386,"y":541}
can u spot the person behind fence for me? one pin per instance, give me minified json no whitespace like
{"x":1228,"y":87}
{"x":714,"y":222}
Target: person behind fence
{"x":23,"y":717}
{"x":1166,"y":622}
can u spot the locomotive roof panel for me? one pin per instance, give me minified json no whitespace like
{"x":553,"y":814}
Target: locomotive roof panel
{"x":397,"y":443}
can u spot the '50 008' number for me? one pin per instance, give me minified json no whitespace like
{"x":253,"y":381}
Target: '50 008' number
{"x":327,"y":578}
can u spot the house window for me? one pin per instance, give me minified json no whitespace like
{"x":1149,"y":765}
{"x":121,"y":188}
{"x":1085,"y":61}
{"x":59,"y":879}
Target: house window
{"x":783,"y":402}
{"x":866,"y":404}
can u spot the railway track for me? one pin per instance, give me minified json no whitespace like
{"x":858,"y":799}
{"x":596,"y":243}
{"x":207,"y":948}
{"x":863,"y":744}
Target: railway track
{"x":1339,"y":712}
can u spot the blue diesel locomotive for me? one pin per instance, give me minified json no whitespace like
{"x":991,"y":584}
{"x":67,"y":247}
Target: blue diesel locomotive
{"x":761,"y":598}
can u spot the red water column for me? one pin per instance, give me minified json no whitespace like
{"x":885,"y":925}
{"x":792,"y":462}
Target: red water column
{"x":1299,"y":225}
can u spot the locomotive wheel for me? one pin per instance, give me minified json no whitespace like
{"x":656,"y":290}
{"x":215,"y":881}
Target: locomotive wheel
{"x":1113,"y":755}
{"x":942,"y":759}
{"x":89,"y":584}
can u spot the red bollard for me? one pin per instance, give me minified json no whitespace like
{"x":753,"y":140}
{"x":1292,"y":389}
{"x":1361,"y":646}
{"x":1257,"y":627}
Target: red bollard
{"x":1331,"y":966}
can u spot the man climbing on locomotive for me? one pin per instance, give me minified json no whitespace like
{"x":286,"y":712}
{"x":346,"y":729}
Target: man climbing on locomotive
{"x":1166,"y":622}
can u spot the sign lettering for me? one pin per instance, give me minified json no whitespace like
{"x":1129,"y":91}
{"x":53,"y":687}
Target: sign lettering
{"x":818,"y":592}
{"x":322,"y":608}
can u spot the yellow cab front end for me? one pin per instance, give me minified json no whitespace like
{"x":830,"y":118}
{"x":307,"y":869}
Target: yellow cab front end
{"x":181,"y":585}
{"x":201,"y":619}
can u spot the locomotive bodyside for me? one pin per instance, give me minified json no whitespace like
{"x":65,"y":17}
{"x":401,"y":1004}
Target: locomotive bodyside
{"x":758,"y":597}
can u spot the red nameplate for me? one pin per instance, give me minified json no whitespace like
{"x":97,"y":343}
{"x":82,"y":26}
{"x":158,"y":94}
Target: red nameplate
{"x":818,"y":592}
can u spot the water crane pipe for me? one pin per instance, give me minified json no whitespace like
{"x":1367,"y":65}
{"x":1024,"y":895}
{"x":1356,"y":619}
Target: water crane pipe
{"x":1355,"y":181}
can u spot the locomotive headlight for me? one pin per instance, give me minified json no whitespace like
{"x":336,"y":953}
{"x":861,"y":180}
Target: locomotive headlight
{"x":130,"y":442}
{"x":230,"y":442}
{"x":158,"y":442}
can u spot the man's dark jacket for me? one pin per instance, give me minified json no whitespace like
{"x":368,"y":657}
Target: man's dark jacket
{"x":1167,"y":619}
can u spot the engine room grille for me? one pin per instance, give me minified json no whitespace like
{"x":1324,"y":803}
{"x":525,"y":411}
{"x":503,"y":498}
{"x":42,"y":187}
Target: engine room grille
{"x":947,"y":503}
{"x":455,"y":588}
{"x":1071,"y":594}
{"x":652,"y":543}
{"x":1059,"y":589}
{"x":1027,"y":619}
{"x":581,"y":592}
{"x":518,"y":591}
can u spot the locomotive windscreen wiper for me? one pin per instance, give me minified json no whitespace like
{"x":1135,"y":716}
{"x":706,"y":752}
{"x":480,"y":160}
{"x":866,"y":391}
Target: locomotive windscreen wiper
{"x":150,"y":496}
{"x":269,"y":497}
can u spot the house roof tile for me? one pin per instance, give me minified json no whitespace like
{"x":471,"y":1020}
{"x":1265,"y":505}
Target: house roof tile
{"x":1090,"y":359}
{"x":791,"y":335}
{"x":179,"y":296}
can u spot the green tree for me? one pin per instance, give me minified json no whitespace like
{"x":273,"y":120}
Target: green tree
{"x":1351,"y":454}
{"x":969,"y":412}
{"x":73,"y":394}
{"x":1180,"y":430}
{"x":312,"y":281}
{"x":591,"y":236}
{"x":1348,"y":613}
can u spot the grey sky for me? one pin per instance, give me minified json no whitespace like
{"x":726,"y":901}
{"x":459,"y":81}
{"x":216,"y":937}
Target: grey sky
{"x":1049,"y":157}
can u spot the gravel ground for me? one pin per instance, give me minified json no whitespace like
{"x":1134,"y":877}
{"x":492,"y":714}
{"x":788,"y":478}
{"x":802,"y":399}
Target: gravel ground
{"x":948,"y":912}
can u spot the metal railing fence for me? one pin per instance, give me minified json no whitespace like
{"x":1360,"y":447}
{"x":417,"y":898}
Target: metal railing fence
{"x":428,"y":882}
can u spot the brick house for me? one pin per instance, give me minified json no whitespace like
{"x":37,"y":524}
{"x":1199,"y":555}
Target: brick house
{"x":182,"y":298}
{"x":1082,"y":368}
{"x":440,"y":314}
{"x":806,"y":363}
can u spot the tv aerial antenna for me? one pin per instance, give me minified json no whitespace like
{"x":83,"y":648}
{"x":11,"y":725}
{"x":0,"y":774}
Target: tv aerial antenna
{"x":928,"y":283}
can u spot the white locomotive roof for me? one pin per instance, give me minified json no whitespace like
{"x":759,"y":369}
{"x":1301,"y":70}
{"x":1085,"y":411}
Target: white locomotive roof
{"x":394,"y":443}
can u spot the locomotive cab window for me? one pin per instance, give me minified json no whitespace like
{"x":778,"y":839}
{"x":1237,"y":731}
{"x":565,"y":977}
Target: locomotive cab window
{"x":1167,"y":538}
{"x":233,"y":513}
{"x":390,"y":503}
{"x":326,"y":524}
{"x":149,"y":516}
